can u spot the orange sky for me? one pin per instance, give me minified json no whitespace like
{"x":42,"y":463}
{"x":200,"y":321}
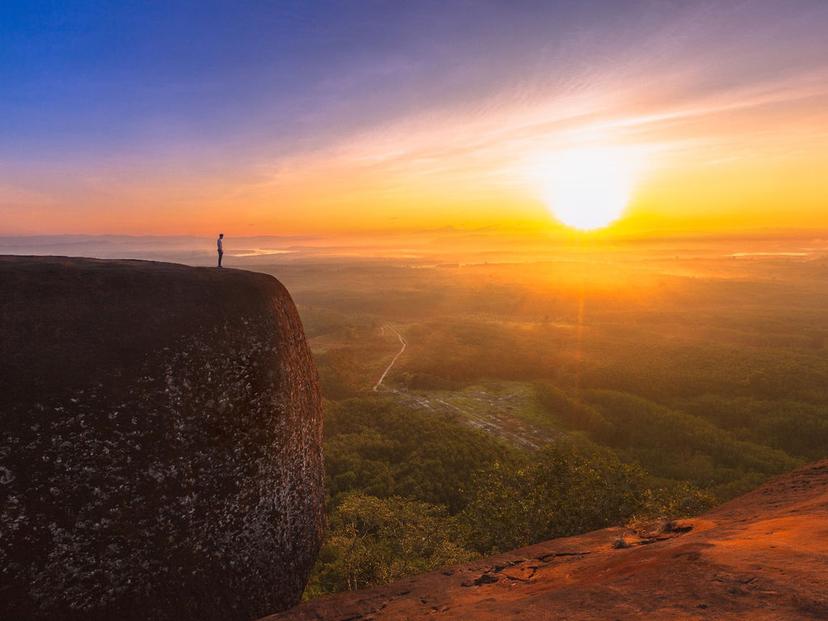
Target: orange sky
{"x":728,"y":132}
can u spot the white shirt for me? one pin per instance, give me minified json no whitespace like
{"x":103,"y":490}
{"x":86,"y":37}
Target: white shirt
{"x":219,"y":244}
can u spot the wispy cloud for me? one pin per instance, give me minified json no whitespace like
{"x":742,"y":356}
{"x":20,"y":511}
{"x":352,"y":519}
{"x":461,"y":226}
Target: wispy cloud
{"x":405,"y":114}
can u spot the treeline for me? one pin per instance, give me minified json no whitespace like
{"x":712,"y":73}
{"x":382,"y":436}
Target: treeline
{"x":668,"y":443}
{"x":709,"y":412}
{"x":660,"y":365}
{"x":410,"y":491}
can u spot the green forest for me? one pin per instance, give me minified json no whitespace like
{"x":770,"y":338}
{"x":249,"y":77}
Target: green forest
{"x":538,"y":402}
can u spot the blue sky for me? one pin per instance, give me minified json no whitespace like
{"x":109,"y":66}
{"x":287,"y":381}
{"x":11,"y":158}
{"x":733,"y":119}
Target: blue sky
{"x":89,"y":76}
{"x":99,"y":95}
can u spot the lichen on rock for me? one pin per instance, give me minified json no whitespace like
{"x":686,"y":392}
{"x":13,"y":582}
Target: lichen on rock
{"x":160,"y":452}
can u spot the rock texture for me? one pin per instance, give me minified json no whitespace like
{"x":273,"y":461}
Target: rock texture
{"x":160,"y":449}
{"x":760,"y":557}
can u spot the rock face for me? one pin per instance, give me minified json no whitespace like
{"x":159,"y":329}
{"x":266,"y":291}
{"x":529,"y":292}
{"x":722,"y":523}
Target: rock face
{"x":160,"y":442}
{"x":760,"y":557}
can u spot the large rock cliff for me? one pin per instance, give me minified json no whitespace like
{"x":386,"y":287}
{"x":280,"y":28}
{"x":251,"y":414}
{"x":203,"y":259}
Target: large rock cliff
{"x":160,"y":453}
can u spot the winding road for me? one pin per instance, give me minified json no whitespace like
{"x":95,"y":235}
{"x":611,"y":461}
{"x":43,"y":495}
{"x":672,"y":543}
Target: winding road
{"x":482,"y":414}
{"x":394,"y":359}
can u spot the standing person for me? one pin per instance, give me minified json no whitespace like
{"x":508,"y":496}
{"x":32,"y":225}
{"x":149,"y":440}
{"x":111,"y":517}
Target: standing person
{"x":220,"y":247}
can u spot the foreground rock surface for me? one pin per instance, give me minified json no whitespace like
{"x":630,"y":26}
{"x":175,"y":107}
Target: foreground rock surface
{"x":760,"y":557}
{"x":160,"y":452}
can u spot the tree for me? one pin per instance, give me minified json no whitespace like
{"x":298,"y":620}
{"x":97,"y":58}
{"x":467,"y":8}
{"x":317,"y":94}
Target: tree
{"x":561,"y":491}
{"x":377,"y":540}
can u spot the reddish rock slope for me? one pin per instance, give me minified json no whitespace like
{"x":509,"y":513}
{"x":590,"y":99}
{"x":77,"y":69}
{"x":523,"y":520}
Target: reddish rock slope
{"x":762,"y":557}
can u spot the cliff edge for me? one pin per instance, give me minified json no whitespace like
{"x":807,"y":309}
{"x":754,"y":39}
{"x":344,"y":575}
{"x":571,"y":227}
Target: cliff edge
{"x":160,"y":449}
{"x":760,"y":557}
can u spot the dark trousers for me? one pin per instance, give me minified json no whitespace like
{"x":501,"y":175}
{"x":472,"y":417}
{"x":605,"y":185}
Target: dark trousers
{"x":220,"y":254}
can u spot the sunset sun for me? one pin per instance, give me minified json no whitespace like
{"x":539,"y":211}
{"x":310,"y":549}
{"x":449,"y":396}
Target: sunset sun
{"x":589,"y":188}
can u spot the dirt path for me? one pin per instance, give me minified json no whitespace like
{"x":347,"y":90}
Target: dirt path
{"x":498,"y":424}
{"x":404,"y":344}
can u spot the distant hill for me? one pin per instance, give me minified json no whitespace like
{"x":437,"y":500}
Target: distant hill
{"x":760,"y":557}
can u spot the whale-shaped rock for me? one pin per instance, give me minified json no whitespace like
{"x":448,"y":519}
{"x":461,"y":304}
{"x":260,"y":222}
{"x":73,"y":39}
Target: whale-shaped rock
{"x":160,"y":442}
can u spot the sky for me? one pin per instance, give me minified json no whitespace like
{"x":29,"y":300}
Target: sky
{"x":333,"y":118}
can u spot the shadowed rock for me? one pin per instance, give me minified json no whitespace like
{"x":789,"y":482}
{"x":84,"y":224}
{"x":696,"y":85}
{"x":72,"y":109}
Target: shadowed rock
{"x":160,"y":453}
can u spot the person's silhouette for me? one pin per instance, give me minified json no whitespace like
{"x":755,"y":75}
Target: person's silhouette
{"x":220,"y":247}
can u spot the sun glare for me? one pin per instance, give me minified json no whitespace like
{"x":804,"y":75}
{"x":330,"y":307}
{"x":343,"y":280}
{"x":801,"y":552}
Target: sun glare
{"x":589,"y":188}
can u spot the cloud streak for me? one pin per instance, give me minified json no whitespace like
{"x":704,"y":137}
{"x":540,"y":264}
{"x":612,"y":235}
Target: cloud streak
{"x":419,"y":114}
